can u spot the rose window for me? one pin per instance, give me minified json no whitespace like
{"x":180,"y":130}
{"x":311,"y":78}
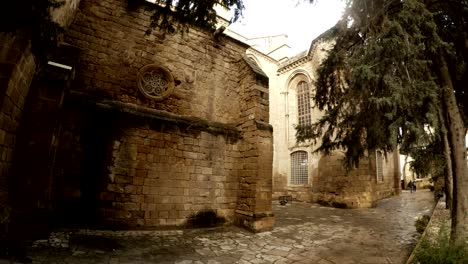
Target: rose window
{"x":155,"y":82}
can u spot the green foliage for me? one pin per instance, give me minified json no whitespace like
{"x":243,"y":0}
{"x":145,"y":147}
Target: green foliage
{"x":441,"y":251}
{"x":178,"y":15}
{"x":45,"y":32}
{"x":421,"y":223}
{"x":376,"y":80}
{"x":428,"y":160}
{"x":378,"y":87}
{"x":32,"y":18}
{"x":452,"y":20}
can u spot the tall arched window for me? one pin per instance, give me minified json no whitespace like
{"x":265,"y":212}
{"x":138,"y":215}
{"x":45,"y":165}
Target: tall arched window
{"x":303,"y":103}
{"x":299,"y":168}
{"x":379,"y":166}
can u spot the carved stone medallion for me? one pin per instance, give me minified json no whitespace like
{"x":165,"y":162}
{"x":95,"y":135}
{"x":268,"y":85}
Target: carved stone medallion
{"x":155,"y":82}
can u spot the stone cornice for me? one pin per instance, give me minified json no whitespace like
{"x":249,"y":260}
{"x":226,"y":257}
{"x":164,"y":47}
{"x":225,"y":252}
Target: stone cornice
{"x":294,"y":64}
{"x":311,"y":52}
{"x":261,"y":54}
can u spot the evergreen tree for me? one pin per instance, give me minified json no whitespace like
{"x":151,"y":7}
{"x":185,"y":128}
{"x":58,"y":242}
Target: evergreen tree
{"x":396,"y":69}
{"x":178,"y":15}
{"x":32,"y":19}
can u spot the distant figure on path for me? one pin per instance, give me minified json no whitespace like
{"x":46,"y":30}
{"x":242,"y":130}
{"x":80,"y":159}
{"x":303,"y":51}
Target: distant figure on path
{"x":412,"y":186}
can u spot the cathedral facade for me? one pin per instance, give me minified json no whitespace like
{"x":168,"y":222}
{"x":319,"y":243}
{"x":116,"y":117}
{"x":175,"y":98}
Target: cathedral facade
{"x":118,"y":128}
{"x":297,"y":170}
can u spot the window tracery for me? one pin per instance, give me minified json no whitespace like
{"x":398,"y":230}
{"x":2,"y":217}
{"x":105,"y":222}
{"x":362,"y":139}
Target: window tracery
{"x":303,"y":103}
{"x":155,"y":82}
{"x":299,"y":168}
{"x":379,"y":166}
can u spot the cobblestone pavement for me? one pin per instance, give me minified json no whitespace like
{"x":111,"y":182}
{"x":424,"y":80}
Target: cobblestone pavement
{"x":304,"y":233}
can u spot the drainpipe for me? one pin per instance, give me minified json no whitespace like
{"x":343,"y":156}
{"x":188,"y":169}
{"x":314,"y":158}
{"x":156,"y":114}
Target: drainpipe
{"x":286,"y":116}
{"x":67,"y":73}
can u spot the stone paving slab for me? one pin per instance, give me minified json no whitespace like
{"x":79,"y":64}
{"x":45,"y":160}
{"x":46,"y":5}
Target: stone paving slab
{"x":304,"y":233}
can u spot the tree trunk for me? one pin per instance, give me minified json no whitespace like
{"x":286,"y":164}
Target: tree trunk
{"x":449,"y":172}
{"x":404,"y":172}
{"x":459,"y":232}
{"x":448,"y":177}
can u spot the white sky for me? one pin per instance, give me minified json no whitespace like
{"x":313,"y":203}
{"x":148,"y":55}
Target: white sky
{"x":298,"y":19}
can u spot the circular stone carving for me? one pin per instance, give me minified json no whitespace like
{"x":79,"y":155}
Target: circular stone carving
{"x":155,"y":82}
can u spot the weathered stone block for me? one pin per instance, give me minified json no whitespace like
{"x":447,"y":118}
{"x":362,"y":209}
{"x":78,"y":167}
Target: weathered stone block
{"x":255,"y":223}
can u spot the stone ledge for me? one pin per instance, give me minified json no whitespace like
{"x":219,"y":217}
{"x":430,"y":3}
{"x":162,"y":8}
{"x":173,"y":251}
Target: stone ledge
{"x":215,"y":128}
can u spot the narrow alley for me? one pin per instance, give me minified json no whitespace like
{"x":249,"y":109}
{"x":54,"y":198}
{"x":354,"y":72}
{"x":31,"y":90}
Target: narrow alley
{"x":304,"y":233}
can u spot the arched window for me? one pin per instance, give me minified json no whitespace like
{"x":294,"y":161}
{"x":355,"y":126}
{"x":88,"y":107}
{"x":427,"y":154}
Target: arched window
{"x":303,"y":103}
{"x":299,"y":168}
{"x":379,"y":166}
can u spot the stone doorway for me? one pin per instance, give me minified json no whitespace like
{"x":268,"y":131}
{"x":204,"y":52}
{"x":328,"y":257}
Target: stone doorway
{"x":95,"y":142}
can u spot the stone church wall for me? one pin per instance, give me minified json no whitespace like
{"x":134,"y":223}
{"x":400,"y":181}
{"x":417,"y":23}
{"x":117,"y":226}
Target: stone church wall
{"x":115,"y":47}
{"x":354,"y":189}
{"x":17,"y":68}
{"x":256,"y":149}
{"x":161,"y":174}
{"x":125,"y":159}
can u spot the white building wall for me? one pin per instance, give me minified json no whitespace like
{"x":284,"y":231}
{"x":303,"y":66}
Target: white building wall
{"x":284,"y":111}
{"x":327,"y":181}
{"x":284,"y":138}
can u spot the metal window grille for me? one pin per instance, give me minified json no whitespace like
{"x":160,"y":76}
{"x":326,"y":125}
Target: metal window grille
{"x":303,"y":103}
{"x":379,"y":166}
{"x":299,"y":168}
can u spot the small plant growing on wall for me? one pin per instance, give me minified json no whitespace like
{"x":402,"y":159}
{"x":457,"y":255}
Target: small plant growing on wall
{"x":32,"y":19}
